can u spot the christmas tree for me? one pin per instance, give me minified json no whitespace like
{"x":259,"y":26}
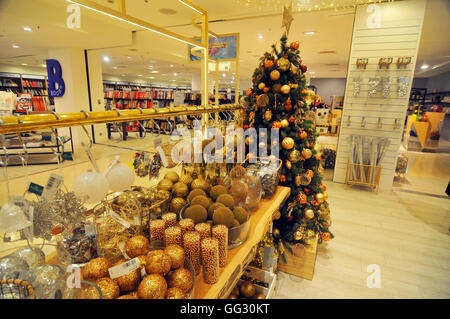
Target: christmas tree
{"x":278,"y":100}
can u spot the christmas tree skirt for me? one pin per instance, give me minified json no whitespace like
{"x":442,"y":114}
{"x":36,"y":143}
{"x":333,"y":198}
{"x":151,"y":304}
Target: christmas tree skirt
{"x":302,"y":262}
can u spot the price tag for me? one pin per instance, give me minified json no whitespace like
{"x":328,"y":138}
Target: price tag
{"x":35,"y":189}
{"x":119,"y":219}
{"x":53,"y":184}
{"x":125,"y":268}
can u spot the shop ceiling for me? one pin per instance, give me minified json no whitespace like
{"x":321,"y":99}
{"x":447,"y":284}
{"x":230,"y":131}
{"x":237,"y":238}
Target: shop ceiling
{"x":156,"y":59}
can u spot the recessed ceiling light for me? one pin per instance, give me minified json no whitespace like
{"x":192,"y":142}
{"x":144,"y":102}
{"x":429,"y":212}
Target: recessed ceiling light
{"x":309,"y":32}
{"x":15,"y":46}
{"x":423,"y":67}
{"x":106,"y":58}
{"x":233,"y":78}
{"x":27,"y":29}
{"x":115,"y":68}
{"x":151,"y":77}
{"x":224,"y":75}
{"x":128,"y":57}
{"x":171,"y":65}
{"x":150,"y":66}
{"x":154,"y":71}
{"x":175,"y":74}
{"x":24,"y":64}
{"x":260,"y":36}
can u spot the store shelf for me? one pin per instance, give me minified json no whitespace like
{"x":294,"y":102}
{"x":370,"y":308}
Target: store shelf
{"x":240,"y":257}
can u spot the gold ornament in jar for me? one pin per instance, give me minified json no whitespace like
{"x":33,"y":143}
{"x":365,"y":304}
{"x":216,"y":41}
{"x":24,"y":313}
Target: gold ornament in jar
{"x":165,"y":184}
{"x":180,"y":189}
{"x":199,"y":183}
{"x":288,"y":143}
{"x":172,"y":176}
{"x":187,"y":179}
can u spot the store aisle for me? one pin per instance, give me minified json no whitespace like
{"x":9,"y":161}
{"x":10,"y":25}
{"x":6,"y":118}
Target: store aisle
{"x":407,"y":235}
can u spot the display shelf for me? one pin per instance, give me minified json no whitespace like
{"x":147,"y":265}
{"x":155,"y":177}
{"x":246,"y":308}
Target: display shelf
{"x":240,"y":257}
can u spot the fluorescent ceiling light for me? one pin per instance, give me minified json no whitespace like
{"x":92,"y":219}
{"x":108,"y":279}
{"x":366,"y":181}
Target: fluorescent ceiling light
{"x":24,"y":64}
{"x":139,"y":74}
{"x":115,"y":68}
{"x":175,"y":74}
{"x":150,"y":66}
{"x":154,"y":71}
{"x":309,"y":32}
{"x":128,"y":21}
{"x":171,"y":65}
{"x":423,"y":67}
{"x":312,"y":72}
{"x":15,"y":46}
{"x":151,"y":77}
{"x":27,"y":29}
{"x":106,"y":58}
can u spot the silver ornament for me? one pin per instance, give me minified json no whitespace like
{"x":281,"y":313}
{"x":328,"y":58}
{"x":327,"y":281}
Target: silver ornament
{"x":48,"y":282}
{"x":34,"y":256}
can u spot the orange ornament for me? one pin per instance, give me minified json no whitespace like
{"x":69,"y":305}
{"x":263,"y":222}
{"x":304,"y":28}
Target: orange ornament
{"x":282,"y":178}
{"x":295,"y":45}
{"x":266,"y":89}
{"x":249,"y":91}
{"x":288,"y":164}
{"x":292,"y":119}
{"x":325,"y":236}
{"x":302,"y":198}
{"x":276,"y":124}
{"x":304,"y":91}
{"x":303,"y":135}
{"x":288,"y":105}
{"x":315,"y":202}
{"x":268,"y":64}
{"x":306,"y":153}
{"x":324,"y":188}
{"x":310,"y":173}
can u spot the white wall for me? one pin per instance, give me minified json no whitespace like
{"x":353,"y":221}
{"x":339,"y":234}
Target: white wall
{"x":327,"y":87}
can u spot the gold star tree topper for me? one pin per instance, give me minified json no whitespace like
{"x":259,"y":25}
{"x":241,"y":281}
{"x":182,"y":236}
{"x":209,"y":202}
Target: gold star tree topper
{"x":287,"y":18}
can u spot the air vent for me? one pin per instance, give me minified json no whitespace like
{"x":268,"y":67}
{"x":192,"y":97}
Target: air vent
{"x":327,"y":52}
{"x":167,"y":11}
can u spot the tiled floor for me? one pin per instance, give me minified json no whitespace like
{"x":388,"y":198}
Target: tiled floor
{"x":406,"y":234}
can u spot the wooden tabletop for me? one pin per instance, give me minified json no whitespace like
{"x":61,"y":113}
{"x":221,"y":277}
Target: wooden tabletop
{"x":240,"y":257}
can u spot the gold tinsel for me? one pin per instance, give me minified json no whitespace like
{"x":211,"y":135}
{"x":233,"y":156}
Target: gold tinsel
{"x":258,"y":259}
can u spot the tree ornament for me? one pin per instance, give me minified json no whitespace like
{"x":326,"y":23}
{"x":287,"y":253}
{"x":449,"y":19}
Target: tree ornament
{"x":288,"y":105}
{"x":288,"y":143}
{"x":283,"y":64}
{"x":268,"y":64}
{"x":288,"y":165}
{"x":92,"y":185}
{"x":294,"y":156}
{"x":249,"y":91}
{"x":262,"y":100}
{"x":285,"y":89}
{"x":292,"y":119}
{"x":276,"y":124}
{"x":282,"y":178}
{"x":304,"y":68}
{"x":268,"y":115}
{"x":302,"y":198}
{"x":276,"y":88}
{"x":276,"y":233}
{"x":261,"y":86}
{"x":323,"y":187}
{"x":305,"y":180}
{"x":303,"y":134}
{"x":320,"y":197}
{"x":295,"y":45}
{"x":284,"y":123}
{"x":287,"y":18}
{"x":325,"y":236}
{"x":298,"y":235}
{"x":309,"y":213}
{"x":306,"y":153}
{"x":315,"y":202}
{"x":310,"y":173}
{"x":309,"y":237}
{"x":274,"y":75}
{"x":266,"y":89}
{"x":325,"y":196}
{"x":306,"y":190}
{"x":298,"y":180}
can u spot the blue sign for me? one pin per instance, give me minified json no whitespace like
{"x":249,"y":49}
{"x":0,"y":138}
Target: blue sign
{"x":56,"y":85}
{"x":220,"y":48}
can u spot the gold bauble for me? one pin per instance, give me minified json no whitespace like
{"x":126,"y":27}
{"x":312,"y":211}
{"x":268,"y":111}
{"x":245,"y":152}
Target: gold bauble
{"x":172,"y":176}
{"x":177,"y":204}
{"x":285,"y":89}
{"x":153,"y":286}
{"x":129,"y":296}
{"x":276,"y":215}
{"x":284,"y":123}
{"x":294,"y":156}
{"x":261,"y":86}
{"x":165,"y":184}
{"x":276,"y":88}
{"x":260,"y":296}
{"x":320,"y":197}
{"x":325,"y":196}
{"x":158,"y":262}
{"x":233,"y":296}
{"x":176,"y":254}
{"x":306,"y":153}
{"x":199,"y":183}
{"x":181,"y":278}
{"x":187,"y":179}
{"x":309,"y":213}
{"x":175,"y":293}
{"x":298,"y":235}
{"x":309,"y":237}
{"x":130,"y":281}
{"x":305,"y":180}
{"x":318,"y":148}
{"x":274,"y":75}
{"x":283,"y":64}
{"x":110,"y":289}
{"x":298,"y":180}
{"x":180,"y":189}
{"x":288,"y":143}
{"x":137,"y":245}
{"x":268,"y":115}
{"x":262,"y":100}
{"x":276,"y":233}
{"x":247,"y":289}
{"x":96,"y":268}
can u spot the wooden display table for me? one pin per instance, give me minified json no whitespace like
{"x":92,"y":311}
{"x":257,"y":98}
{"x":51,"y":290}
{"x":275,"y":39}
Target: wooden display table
{"x":240,"y":257}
